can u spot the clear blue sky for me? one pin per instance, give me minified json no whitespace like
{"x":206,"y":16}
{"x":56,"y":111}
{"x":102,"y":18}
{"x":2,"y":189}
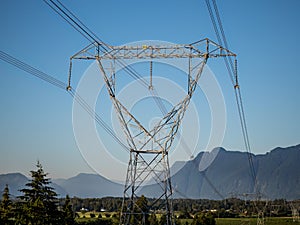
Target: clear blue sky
{"x":36,"y":118}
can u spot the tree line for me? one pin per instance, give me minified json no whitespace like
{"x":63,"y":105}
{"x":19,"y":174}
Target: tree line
{"x":40,"y":205}
{"x":228,"y":208}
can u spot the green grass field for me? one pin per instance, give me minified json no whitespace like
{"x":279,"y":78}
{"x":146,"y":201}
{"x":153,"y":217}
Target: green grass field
{"x":220,"y":221}
{"x":253,"y":221}
{"x":249,"y":221}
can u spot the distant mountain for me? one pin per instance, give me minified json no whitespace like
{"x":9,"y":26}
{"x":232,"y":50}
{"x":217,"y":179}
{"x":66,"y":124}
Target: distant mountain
{"x":228,"y":175}
{"x":90,"y":185}
{"x":278,"y":176}
{"x":177,"y":166}
{"x":82,"y":185}
{"x":15,"y":181}
{"x":279,"y":173}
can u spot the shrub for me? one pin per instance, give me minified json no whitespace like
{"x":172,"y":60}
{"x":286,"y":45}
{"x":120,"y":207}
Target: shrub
{"x":204,"y":219}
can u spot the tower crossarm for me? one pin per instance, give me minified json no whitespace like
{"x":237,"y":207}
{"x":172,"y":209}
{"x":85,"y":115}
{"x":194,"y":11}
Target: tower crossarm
{"x":199,"y":49}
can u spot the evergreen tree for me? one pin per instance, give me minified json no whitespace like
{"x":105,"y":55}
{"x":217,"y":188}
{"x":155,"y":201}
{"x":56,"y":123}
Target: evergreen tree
{"x":6,"y":207}
{"x":40,"y":200}
{"x":68,"y":214}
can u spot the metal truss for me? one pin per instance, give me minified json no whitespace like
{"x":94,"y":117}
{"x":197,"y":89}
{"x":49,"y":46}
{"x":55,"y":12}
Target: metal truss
{"x":194,"y":50}
{"x":149,"y":148}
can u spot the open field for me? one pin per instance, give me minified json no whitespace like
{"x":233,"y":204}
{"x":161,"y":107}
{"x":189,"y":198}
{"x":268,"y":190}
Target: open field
{"x":249,"y":221}
{"x":219,"y":221}
{"x":253,"y":221}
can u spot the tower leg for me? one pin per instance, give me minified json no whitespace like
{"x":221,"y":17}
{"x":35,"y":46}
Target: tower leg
{"x":137,"y":206}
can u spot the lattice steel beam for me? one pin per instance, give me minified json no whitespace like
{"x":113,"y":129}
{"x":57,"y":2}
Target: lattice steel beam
{"x":197,"y":49}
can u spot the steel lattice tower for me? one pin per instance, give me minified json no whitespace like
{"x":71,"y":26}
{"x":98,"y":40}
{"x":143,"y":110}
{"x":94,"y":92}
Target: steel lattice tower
{"x":149,"y":148}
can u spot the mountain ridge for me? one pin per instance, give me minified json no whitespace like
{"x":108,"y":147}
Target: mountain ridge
{"x":278,"y":176}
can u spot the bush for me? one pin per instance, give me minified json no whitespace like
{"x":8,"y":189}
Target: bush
{"x":204,"y":219}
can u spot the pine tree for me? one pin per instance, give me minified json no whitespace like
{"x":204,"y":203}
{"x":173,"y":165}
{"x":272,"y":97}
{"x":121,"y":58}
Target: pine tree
{"x":68,"y":214}
{"x":40,"y":200}
{"x":6,"y":207}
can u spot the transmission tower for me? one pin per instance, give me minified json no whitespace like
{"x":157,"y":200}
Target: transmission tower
{"x":149,"y":148}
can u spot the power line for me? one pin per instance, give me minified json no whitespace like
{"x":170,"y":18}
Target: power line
{"x":97,"y":118}
{"x":57,"y":83}
{"x":86,"y":29}
{"x":31,"y":70}
{"x":65,"y":17}
{"x":232,"y":71}
{"x":217,"y":25}
{"x":222,"y":32}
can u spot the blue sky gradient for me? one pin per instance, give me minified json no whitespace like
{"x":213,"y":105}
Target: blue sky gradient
{"x":36,"y":118}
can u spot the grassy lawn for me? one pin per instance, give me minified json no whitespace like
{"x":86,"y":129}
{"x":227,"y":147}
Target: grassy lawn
{"x":253,"y":221}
